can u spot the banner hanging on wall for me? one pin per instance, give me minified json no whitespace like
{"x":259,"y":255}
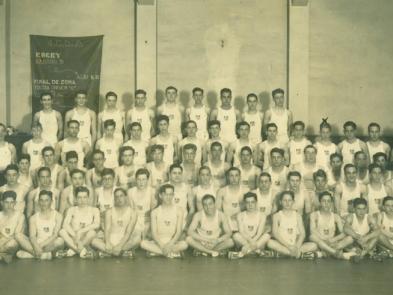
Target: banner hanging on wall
{"x":63,"y":65}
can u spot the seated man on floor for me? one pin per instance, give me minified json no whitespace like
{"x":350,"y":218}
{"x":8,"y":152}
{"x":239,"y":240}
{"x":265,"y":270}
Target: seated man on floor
{"x":385,"y":221}
{"x":209,"y":232}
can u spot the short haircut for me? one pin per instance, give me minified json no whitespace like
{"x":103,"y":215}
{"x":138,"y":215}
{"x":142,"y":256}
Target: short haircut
{"x":46,"y":94}
{"x":164,"y":187}
{"x":350,"y":124}
{"x":190,"y":146}
{"x":310,"y":146}
{"x":170,"y":88}
{"x":277,"y":91}
{"x":73,"y":122}
{"x":98,"y":152}
{"x":109,"y":122}
{"x":386,"y":199}
{"x":196,"y":89}
{"x":11,"y":167}
{"x":8,"y":195}
{"x":359,"y":201}
{"x":373,"y":166}
{"x":140,"y":91}
{"x":269,"y":125}
{"x":80,"y":91}
{"x":134,"y":124}
{"x":107,"y":171}
{"x":225,"y":90}
{"x":298,"y":123}
{"x":24,"y":157}
{"x":110,"y":93}
{"x":294,"y":173}
{"x":190,"y":122}
{"x":233,"y":169}
{"x":283,"y":193}
{"x":215,"y":143}
{"x":277,"y":150}
{"x":359,"y":153}
{"x":336,"y":155}
{"x":373,"y":124}
{"x":45,"y":193}
{"x":81,"y":189}
{"x":349,"y":165}
{"x":319,"y":173}
{"x":47,"y":148}
{"x":174,"y":166}
{"x":265,"y":174}
{"x":43,"y":169}
{"x":246,"y":148}
{"x":204,"y":168}
{"x":126,"y":148}
{"x":242,"y":123}
{"x":324,"y":193}
{"x":325,"y":124}
{"x":379,"y":154}
{"x":156,"y":147}
{"x":213,"y":122}
{"x":71,"y":155}
{"x":142,"y":171}
{"x":251,"y":95}
{"x":121,"y":190}
{"x":207,"y":197}
{"x":250,"y":195}
{"x":162,"y":118}
{"x":76,"y":171}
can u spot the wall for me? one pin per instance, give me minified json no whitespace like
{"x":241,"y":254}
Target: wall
{"x":351,"y":62}
{"x":113,"y":19}
{"x":222,"y":43}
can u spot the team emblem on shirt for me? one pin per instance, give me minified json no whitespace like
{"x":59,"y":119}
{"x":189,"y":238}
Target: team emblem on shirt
{"x":234,"y":205}
{"x":120,"y":223}
{"x":7,"y":230}
{"x":167,"y":222}
{"x":262,"y":209}
{"x":290,"y":231}
{"x":46,"y":229}
{"x":82,"y":224}
{"x":139,"y":207}
{"x":326,"y":231}
{"x":250,"y":227}
{"x":209,"y":232}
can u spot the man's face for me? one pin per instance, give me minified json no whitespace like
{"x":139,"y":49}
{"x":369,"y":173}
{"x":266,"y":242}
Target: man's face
{"x":140,"y":100}
{"x":98,"y":160}
{"x":11,"y":177}
{"x":361,"y":160}
{"x":167,"y":196}
{"x":234,"y":177}
{"x":277,"y":159}
{"x":298,"y":131}
{"x":374,"y":133}
{"x":176,"y":175}
{"x":278,"y":99}
{"x":216,"y":152}
{"x":287,"y":201}
{"x":271,"y":133}
{"x":189,"y":155}
{"x":214,"y":131}
{"x":325,"y":133}
{"x":252,"y":103}
{"x":82,"y":199}
{"x":163,"y":126}
{"x":120,"y":198}
{"x":349,"y":132}
{"x":336,"y":163}
{"x":73,"y":130}
{"x":205,"y":176}
{"x":381,"y":162}
{"x":191,"y":129}
{"x":171,"y":95}
{"x":376,"y":175}
{"x":209,"y":206}
{"x":72,"y":163}
{"x":127,"y":157}
{"x":351,"y":174}
{"x":8,"y":204}
{"x":251,"y":204}
{"x":310,"y":155}
{"x":46,"y":102}
{"x":111,"y":101}
{"x":388,"y":207}
{"x":245,"y":157}
{"x":77,"y":179}
{"x":80,"y":99}
{"x":108,"y":180}
{"x":44,"y":179}
{"x":320,"y":183}
{"x":141,"y":181}
{"x":158,"y":155}
{"x":109,"y":131}
{"x":24,"y":165}
{"x":264,"y":183}
{"x":44,"y":202}
{"x":226,"y":98}
{"x":243,"y":131}
{"x":49,"y":158}
{"x":361,"y":210}
{"x":326,"y":203}
{"x":136,"y":132}
{"x":198,"y":97}
{"x":36,"y":132}
{"x":294,"y":182}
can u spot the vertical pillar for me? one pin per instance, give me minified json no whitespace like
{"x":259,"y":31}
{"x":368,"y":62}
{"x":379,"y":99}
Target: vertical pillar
{"x":298,"y":48}
{"x":146,"y":47}
{"x":3,"y":75}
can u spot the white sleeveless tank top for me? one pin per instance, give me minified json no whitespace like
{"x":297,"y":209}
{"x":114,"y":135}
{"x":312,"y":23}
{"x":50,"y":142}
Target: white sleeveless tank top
{"x":144,"y":119}
{"x":227,"y":119}
{"x":50,"y":126}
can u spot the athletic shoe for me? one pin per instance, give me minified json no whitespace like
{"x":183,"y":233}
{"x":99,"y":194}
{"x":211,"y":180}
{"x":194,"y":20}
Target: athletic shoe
{"x":7,"y":258}
{"x":61,"y":253}
{"x":214,"y":254}
{"x":86,"y":254}
{"x":197,"y":253}
{"x":320,"y":254}
{"x":235,"y":255}
{"x":128,"y":254}
{"x":24,"y":254}
{"x":308,"y":255}
{"x":267,"y":254}
{"x":70,"y":253}
{"x":46,"y":256}
{"x":174,"y":255}
{"x":103,"y":254}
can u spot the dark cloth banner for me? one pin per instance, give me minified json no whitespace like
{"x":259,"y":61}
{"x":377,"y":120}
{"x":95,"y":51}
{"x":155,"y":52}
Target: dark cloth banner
{"x":63,"y":65}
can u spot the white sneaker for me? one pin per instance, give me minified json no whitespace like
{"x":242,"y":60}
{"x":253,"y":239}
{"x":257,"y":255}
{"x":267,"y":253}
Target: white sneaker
{"x":24,"y":254}
{"x":46,"y":256}
{"x":70,"y":253}
{"x":215,"y":254}
{"x":348,"y":255}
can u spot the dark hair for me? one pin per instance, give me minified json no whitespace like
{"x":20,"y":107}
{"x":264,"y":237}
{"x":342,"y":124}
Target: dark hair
{"x":75,"y":171}
{"x":42,"y":169}
{"x":190,"y":146}
{"x":277,"y":91}
{"x":47,"y":148}
{"x":162,"y":118}
{"x":294,"y":173}
{"x":246,"y":148}
{"x":268,"y":125}
{"x":213,"y":122}
{"x":140,"y":91}
{"x":155,"y":147}
{"x":387,"y":198}
{"x":324,"y":193}
{"x":110,"y":93}
{"x":336,"y":155}
{"x":207,"y":197}
{"x":250,"y":195}
{"x":170,"y":88}
{"x":24,"y":157}
{"x":121,"y":190}
{"x":81,"y":189}
{"x":142,"y":171}
{"x":349,"y":165}
{"x":109,"y":122}
{"x":325,"y":124}
{"x":164,"y":187}
{"x":350,"y":124}
{"x":175,"y":165}
{"x":373,"y":166}
{"x":45,"y":193}
{"x":283,"y":193}
{"x":71,"y":155}
{"x":319,"y":173}
{"x":98,"y":152}
{"x":265,"y":174}
{"x":8,"y":194}
{"x":73,"y":122}
{"x":242,"y":123}
{"x":225,"y":90}
{"x":204,"y":168}
{"x":46,"y":94}
{"x":195,"y":89}
{"x":359,"y":201}
{"x":251,"y":95}
{"x":10,"y":167}
{"x":80,"y":91}
{"x":215,"y":143}
{"x":107,"y":171}
{"x":373,"y":124}
{"x":298,"y":123}
{"x":277,"y":150}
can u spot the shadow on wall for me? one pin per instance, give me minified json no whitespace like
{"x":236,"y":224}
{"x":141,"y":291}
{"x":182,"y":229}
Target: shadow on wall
{"x":28,"y":118}
{"x":264,"y":98}
{"x":127,"y":100}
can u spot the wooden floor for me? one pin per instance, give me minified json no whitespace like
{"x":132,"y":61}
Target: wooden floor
{"x":195,"y":276}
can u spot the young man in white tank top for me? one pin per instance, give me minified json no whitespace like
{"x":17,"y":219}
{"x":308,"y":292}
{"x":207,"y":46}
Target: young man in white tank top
{"x":249,"y":172}
{"x":80,"y":225}
{"x":44,"y":227}
{"x":205,"y":187}
{"x":44,"y":184}
{"x":173,"y":110}
{"x":254,"y":117}
{"x":263,"y":148}
{"x":72,"y":143}
{"x":139,"y":145}
{"x":26,"y":176}
{"x":12,"y":184}
{"x":86,"y":117}
{"x":166,"y":139}
{"x":320,"y":181}
{"x":104,"y":194}
{"x":381,"y":159}
{"x":166,"y":227}
{"x":50,"y":120}
{"x":362,"y":228}
{"x":209,"y":232}
{"x":142,"y":200}
{"x":297,"y":143}
{"x":374,"y":143}
{"x":279,"y":115}
{"x":230,"y":197}
{"x":233,"y":155}
{"x":7,"y":152}
{"x":11,"y":226}
{"x":71,"y":164}
{"x":191,"y":129}
{"x":335,"y":173}
{"x":189,"y":165}
{"x":141,"y":114}
{"x":34,"y":146}
{"x":158,"y":168}
{"x":266,"y":197}
{"x":111,"y":112}
{"x":348,"y":190}
{"x":302,"y":201}
{"x":326,"y":229}
{"x":214,"y":128}
{"x":385,"y":222}
{"x":48,"y":154}
{"x":351,"y":144}
{"x":324,"y":145}
{"x":119,"y":226}
{"x":217,"y":165}
{"x":110,"y":145}
{"x":278,"y":171}
{"x":94,"y":175}
{"x":376,"y":189}
{"x":227,"y":115}
{"x":199,"y":113}
{"x":253,"y":230}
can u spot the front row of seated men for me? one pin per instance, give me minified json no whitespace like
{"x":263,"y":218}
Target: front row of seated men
{"x":168,"y":230}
